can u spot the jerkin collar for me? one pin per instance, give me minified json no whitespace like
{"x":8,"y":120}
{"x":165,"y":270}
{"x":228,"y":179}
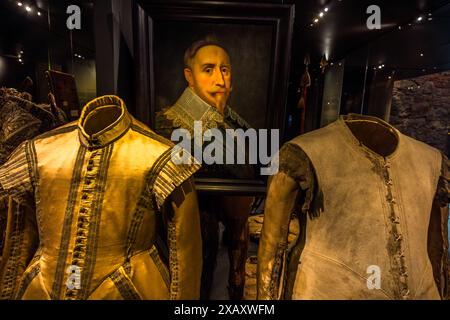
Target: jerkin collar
{"x":102,"y":121}
{"x":383,"y":128}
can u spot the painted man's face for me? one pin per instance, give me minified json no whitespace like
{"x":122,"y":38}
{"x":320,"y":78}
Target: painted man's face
{"x":210,"y":76}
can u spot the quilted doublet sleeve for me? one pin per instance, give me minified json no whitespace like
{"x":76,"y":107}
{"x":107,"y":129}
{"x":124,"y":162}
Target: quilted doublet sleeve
{"x":16,"y":181}
{"x":16,"y":175}
{"x":174,"y":189}
{"x":293,"y":185}
{"x":443,"y":189}
{"x":438,"y":231}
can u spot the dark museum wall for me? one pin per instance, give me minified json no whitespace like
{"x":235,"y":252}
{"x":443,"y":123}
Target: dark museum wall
{"x":421,"y":109}
{"x":41,"y":40}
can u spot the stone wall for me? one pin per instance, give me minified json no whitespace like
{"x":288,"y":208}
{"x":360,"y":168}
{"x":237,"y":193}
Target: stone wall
{"x":421,"y":109}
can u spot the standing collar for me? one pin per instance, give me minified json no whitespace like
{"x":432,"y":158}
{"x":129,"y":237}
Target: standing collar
{"x":102,"y":121}
{"x":195,"y":106}
{"x":190,"y":108}
{"x":382,"y":125}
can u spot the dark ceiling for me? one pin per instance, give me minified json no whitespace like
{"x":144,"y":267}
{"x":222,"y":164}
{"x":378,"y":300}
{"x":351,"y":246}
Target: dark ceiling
{"x":403,"y":44}
{"x":34,"y":34}
{"x":420,"y":47}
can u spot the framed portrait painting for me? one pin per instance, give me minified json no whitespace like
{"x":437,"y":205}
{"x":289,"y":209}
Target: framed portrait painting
{"x":258,"y":41}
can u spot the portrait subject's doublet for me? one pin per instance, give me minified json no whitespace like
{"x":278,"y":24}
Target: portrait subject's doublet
{"x":95,"y":192}
{"x":190,"y":108}
{"x":360,"y":211}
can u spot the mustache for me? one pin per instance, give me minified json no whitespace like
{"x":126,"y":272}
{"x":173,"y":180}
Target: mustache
{"x":219,"y":91}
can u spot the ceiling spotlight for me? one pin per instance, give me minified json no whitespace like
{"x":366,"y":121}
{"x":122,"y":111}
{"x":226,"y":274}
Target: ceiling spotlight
{"x":423,"y":70}
{"x":28,"y":9}
{"x":421,"y":54}
{"x":19,"y":4}
{"x":321,"y":14}
{"x":326,"y":9}
{"x":39,"y":14}
{"x":399,"y":27}
{"x":429,"y":14}
{"x":430,"y":18}
{"x":389,"y":77}
{"x":420,"y":18}
{"x":316,"y":20}
{"x":20,"y":60}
